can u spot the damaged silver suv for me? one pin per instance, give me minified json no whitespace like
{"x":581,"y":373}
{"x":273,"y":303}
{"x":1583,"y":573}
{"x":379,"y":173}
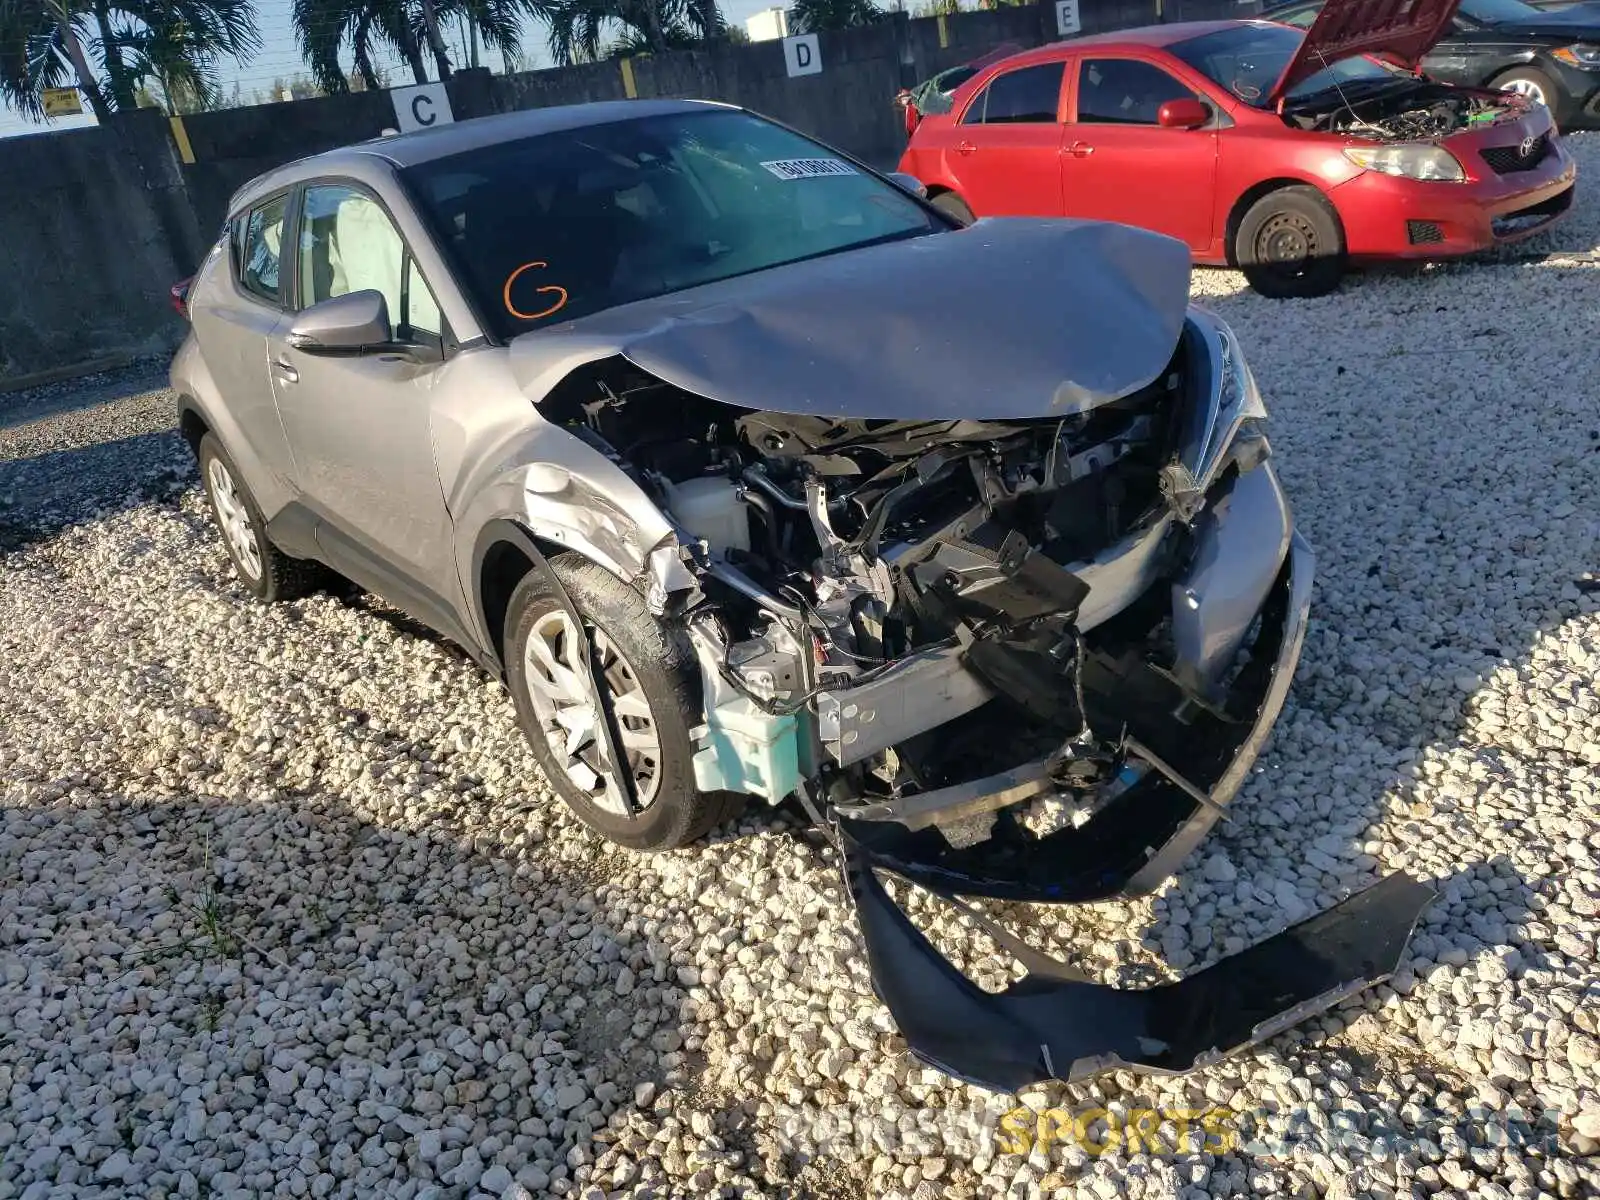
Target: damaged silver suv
{"x":753,"y":475}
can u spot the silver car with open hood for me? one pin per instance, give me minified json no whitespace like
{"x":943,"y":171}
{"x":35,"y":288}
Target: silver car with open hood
{"x":756,"y":477}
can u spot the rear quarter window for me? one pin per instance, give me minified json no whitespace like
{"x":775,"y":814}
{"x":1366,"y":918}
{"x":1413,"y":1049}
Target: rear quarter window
{"x":256,"y":249}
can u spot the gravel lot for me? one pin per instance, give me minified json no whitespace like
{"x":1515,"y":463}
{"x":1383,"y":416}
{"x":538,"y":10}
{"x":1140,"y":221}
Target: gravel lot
{"x":285,"y":907}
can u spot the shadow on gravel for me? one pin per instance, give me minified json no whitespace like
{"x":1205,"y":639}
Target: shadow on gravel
{"x":42,"y":495}
{"x":433,"y":978}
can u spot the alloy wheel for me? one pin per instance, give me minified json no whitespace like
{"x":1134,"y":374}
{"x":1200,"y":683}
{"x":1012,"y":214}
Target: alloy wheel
{"x":1525,"y":87}
{"x":566,"y":710}
{"x":234,"y":519}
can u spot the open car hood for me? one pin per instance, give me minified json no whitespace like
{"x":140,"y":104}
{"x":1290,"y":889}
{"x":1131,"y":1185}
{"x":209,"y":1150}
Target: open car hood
{"x":1400,"y":30}
{"x":1006,"y":319}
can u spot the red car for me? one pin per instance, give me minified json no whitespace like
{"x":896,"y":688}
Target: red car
{"x":1285,"y":153}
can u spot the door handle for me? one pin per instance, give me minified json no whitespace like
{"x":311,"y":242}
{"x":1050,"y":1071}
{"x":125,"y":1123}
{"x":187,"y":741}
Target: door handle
{"x":286,"y":371}
{"x":1080,"y":149}
{"x":965,"y":148}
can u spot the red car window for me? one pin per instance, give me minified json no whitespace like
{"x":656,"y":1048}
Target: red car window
{"x":1124,"y":91}
{"x":1028,"y":95}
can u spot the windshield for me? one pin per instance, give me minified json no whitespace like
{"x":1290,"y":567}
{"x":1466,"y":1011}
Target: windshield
{"x":1497,"y":12}
{"x":1248,"y":60}
{"x":558,"y":226}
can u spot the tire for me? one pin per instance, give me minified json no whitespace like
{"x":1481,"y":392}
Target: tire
{"x":1290,"y":245}
{"x":266,"y":572}
{"x":952,"y":205}
{"x":1530,"y":82}
{"x":644,"y":661}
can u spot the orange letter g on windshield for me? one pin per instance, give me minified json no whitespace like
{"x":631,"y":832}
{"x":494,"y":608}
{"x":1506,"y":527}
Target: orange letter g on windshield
{"x":505,"y":295}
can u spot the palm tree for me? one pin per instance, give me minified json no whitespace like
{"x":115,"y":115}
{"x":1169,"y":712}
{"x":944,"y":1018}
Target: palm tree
{"x":42,"y":46}
{"x":324,"y":27}
{"x":174,"y":44}
{"x":578,"y":27}
{"x":814,"y":16}
{"x":412,"y":28}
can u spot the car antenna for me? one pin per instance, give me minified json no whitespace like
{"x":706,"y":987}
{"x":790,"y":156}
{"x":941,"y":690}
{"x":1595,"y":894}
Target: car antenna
{"x":1337,"y":86}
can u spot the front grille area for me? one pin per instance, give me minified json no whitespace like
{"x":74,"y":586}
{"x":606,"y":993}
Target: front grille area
{"x":1424,"y":233}
{"x":1524,"y":156}
{"x":1527,"y":219}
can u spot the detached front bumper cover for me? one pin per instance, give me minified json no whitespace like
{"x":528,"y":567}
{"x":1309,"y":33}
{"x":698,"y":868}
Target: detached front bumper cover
{"x":1055,"y":1026}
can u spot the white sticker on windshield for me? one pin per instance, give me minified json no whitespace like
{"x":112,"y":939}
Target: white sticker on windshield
{"x":808,"y":168}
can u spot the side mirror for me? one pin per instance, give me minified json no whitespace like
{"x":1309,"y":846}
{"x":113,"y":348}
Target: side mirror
{"x":1187,"y":113}
{"x":345,"y":324}
{"x":909,"y":183}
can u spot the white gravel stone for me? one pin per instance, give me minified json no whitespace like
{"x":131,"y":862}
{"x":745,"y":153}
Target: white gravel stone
{"x":285,"y":907}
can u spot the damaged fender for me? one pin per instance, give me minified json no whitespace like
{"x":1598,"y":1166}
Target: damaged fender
{"x":1053,"y":1024}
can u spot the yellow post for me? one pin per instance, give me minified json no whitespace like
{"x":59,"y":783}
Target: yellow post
{"x":181,"y":136}
{"x":944,"y":34}
{"x":629,"y":89}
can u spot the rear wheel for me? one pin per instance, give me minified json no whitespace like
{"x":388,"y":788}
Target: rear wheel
{"x":267,"y":573}
{"x":953,"y":205}
{"x":1529,"y":82}
{"x":651,"y":696}
{"x":1289,"y":244}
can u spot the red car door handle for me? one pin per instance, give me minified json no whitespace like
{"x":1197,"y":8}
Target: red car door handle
{"x":1080,"y":149}
{"x":965,"y":148}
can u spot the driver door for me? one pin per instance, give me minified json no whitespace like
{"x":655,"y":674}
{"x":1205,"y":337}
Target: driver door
{"x":360,"y":425}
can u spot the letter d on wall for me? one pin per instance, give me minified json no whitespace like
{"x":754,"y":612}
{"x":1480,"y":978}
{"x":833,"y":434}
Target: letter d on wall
{"x":425,"y":106}
{"x":802,"y":55}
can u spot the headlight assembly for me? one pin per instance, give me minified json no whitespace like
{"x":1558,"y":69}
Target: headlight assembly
{"x":1409,"y":160}
{"x":1240,"y":395}
{"x":1584,"y":55}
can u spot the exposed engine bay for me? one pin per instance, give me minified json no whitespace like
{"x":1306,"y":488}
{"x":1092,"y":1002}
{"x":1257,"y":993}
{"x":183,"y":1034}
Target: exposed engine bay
{"x":845,"y":561}
{"x":1421,"y":112}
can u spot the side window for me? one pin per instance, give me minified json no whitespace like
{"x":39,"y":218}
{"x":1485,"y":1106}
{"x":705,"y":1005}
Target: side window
{"x":1026,"y":96}
{"x":348,"y":244}
{"x":1124,"y":91}
{"x":260,"y":250}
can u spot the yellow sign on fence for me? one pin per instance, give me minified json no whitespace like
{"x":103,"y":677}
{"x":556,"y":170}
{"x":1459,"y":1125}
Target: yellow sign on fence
{"x":61,"y":102}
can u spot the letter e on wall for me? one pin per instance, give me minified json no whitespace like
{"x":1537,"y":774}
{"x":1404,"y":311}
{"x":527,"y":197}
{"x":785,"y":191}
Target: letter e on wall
{"x":1067,"y":20}
{"x":425,"y":106}
{"x":802,"y":55}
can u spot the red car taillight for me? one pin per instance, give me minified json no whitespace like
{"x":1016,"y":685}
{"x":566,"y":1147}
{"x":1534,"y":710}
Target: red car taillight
{"x":180,"y":296}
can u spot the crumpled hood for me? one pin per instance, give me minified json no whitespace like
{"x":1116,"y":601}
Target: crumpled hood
{"x":1005,"y":319}
{"x":1402,"y":30}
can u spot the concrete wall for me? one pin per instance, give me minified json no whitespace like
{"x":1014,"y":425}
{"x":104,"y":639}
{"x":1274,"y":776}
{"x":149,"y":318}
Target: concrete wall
{"x":96,"y":224}
{"x":850,"y":104}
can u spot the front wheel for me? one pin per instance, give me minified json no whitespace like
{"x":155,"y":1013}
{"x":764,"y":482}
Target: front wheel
{"x":1290,"y":245}
{"x":652,"y":697}
{"x":1529,"y":82}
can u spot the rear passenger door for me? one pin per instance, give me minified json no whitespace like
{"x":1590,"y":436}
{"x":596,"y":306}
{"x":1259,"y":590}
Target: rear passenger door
{"x":1120,"y":164}
{"x":243,"y":307}
{"x":1006,"y":157}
